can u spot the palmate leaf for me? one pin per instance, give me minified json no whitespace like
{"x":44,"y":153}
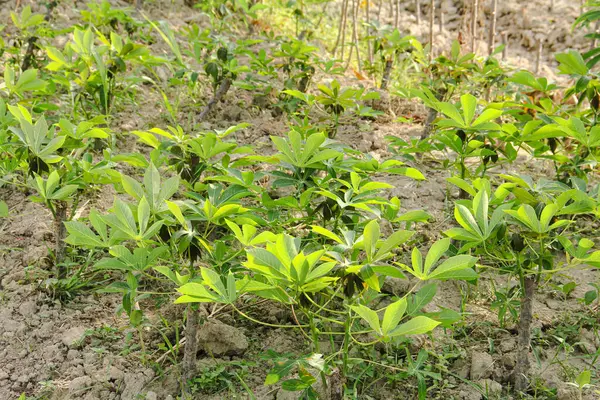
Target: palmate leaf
{"x":394,"y":240}
{"x":40,"y":141}
{"x":466,"y":219}
{"x":393,"y":314}
{"x":195,"y":293}
{"x":122,"y":220}
{"x":457,"y":267}
{"x":527,"y":217}
{"x":81,"y":235}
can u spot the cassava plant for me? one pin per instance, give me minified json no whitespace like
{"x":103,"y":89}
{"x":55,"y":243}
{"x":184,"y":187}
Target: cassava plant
{"x":58,"y":156}
{"x":519,"y":232}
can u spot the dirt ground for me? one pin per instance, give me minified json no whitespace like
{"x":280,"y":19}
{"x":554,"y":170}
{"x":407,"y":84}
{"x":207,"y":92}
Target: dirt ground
{"x":83,"y":349}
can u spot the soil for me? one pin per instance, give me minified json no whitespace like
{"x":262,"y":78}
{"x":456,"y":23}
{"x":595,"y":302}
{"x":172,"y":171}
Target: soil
{"x":83,"y":348}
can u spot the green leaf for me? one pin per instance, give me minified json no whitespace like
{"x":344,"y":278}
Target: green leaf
{"x":392,"y":316}
{"x":462,"y":184}
{"x":457,"y":267}
{"x":266,"y":258}
{"x":368,"y":315}
{"x":422,"y":298}
{"x":469,"y":104}
{"x":176,"y":211}
{"x":480,"y":207}
{"x":415,"y":326}
{"x":195,"y":293}
{"x":395,"y":239}
{"x":571,"y":63}
{"x":436,"y":252}
{"x":81,"y":235}
{"x":451,"y":112}
{"x":417,"y":263}
{"x":583,"y":379}
{"x":464,"y":217}
{"x":132,"y":187}
{"x":136,"y":317}
{"x":327,"y":233}
{"x":64,"y":192}
{"x":3,"y":209}
{"x":370,"y":237}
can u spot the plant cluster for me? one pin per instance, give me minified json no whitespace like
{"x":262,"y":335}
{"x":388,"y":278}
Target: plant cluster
{"x":206,"y":221}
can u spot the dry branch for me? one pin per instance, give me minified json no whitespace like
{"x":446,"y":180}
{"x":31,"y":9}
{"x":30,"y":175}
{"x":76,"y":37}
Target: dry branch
{"x":474,"y":26}
{"x":431,"y":23}
{"x":492,"y":41}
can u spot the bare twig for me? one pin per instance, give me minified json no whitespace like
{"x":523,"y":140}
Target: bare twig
{"x":355,"y":32}
{"x":505,"y":42}
{"x":474,"y":26}
{"x":441,"y":21}
{"x":367,"y":13}
{"x":339,"y":35}
{"x":492,"y":41}
{"x":538,"y":59}
{"x":431,"y":22}
{"x":355,"y":5}
{"x":344,"y":18}
{"x":397,"y":14}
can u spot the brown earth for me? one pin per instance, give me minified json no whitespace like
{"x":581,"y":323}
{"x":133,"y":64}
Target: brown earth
{"x":84,"y":349}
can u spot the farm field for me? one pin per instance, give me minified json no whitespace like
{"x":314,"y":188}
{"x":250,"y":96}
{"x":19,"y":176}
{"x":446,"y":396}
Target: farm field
{"x":313,"y":199}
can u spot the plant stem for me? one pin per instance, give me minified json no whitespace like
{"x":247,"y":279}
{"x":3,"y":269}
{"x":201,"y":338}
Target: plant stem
{"x":60,"y":215}
{"x":347,"y":339}
{"x":523,"y":342}
{"x":190,"y":350}
{"x":266,"y":323}
{"x":389,"y":63}
{"x":142,"y":344}
{"x":313,"y":330}
{"x":221,"y":91}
